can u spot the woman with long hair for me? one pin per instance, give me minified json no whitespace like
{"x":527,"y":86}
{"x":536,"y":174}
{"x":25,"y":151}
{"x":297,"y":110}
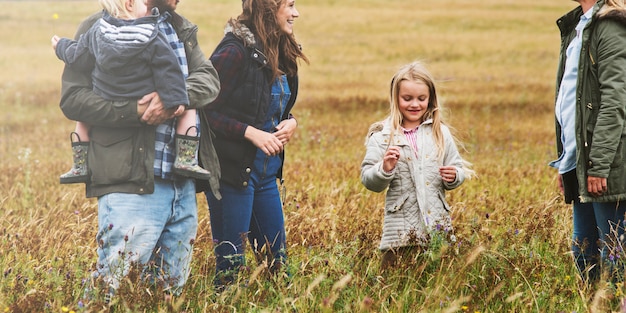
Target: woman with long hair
{"x":257,"y":61}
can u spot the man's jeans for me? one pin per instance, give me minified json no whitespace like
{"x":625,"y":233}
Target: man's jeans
{"x":153,"y":231}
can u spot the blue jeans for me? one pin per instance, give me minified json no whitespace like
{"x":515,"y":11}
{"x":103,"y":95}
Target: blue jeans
{"x":155,"y":231}
{"x":598,"y":235}
{"x":254,"y":213}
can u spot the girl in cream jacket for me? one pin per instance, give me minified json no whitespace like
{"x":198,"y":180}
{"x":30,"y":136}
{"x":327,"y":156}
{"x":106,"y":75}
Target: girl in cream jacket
{"x":414,"y":156}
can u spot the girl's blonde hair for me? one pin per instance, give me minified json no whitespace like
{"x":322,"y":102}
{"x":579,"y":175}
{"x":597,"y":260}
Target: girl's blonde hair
{"x":417,"y":72}
{"x":282,"y":50}
{"x":117,"y":8}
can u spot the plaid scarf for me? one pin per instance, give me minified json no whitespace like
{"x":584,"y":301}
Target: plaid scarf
{"x":165,"y":147}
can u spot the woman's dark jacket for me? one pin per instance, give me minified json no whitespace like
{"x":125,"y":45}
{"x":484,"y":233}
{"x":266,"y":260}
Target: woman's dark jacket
{"x":244,"y":99}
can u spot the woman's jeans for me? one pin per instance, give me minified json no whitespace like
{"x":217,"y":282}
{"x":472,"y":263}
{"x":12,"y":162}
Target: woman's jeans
{"x":154,"y":231}
{"x":254,"y":213}
{"x":599,"y":234}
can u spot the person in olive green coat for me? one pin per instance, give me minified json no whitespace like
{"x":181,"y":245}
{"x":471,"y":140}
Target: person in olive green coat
{"x":147,"y":215}
{"x":590,"y":114}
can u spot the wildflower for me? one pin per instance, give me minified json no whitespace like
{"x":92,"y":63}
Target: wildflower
{"x":464,"y":308}
{"x":367,"y":302}
{"x":192,"y":241}
{"x":110,"y":226}
{"x":65,"y":309}
{"x":126,"y":238}
{"x":55,"y":16}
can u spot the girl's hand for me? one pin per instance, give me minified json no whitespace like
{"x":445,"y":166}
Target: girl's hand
{"x":448,"y":173}
{"x":390,"y":159}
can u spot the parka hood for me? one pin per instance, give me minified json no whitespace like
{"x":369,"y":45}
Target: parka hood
{"x":240,"y":31}
{"x":134,"y":35}
{"x":616,"y":15}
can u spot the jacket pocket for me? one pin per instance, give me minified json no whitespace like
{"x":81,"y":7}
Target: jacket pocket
{"x":442,"y":198}
{"x":397,"y":205}
{"x":110,"y":155}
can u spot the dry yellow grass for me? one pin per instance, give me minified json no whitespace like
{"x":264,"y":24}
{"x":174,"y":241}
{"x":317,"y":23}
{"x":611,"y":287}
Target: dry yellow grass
{"x":495,"y":61}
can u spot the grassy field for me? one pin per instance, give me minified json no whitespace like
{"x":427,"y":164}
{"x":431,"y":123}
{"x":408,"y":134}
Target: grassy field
{"x":495,"y":61}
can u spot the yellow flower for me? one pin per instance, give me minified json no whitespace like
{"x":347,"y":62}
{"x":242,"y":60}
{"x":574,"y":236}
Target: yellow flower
{"x":464,"y":308}
{"x":65,"y":309}
{"x":55,"y":16}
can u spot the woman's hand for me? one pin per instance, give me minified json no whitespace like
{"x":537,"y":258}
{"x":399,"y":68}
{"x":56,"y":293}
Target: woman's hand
{"x":285,"y":130}
{"x":596,"y":185}
{"x":268,"y":143}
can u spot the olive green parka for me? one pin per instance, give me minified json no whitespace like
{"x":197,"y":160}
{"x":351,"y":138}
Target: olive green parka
{"x":600,"y":100}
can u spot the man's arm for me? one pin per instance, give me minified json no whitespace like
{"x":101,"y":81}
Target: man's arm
{"x":203,"y":83}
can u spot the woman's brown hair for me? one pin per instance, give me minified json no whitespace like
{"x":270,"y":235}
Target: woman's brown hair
{"x":281,"y":49}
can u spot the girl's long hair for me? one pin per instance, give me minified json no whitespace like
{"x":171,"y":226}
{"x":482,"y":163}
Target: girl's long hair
{"x":281,"y":49}
{"x":416,"y":72}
